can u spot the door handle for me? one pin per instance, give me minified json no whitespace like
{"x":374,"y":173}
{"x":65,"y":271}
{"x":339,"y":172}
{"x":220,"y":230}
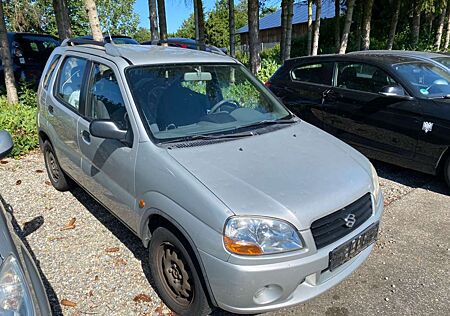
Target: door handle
{"x":50,"y":109}
{"x":86,"y":136}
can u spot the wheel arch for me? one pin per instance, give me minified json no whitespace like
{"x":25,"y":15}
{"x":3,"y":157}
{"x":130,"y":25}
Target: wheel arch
{"x":43,"y":136}
{"x":441,"y":162}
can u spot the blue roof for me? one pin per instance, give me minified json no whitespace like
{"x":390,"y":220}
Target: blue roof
{"x":300,"y":16}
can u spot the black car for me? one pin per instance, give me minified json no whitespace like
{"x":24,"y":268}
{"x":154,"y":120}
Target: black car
{"x":29,"y":54}
{"x":392,"y":108}
{"x":186,"y":43}
{"x":117,"y":39}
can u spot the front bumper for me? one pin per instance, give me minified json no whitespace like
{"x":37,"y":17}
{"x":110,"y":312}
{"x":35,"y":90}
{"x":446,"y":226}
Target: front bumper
{"x":250,"y":287}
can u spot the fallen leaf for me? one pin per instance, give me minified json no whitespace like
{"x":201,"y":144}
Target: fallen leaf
{"x":68,"y":303}
{"x":96,"y":278}
{"x":120,"y":262}
{"x":159,"y":310}
{"x":39,"y":171}
{"x":142,"y":298}
{"x":18,"y":182}
{"x":69,"y":225}
{"x":48,"y":182}
{"x":112,"y":249}
{"x":91,"y":293}
{"x":3,"y":162}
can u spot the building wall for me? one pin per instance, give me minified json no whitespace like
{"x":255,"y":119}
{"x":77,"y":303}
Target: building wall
{"x":271,"y":36}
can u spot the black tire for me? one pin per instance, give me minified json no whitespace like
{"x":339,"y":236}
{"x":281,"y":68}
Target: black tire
{"x":58,"y":178}
{"x":174,"y":275}
{"x":447,"y":171}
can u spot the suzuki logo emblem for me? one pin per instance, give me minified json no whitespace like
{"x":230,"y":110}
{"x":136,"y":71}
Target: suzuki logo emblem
{"x":350,"y":220}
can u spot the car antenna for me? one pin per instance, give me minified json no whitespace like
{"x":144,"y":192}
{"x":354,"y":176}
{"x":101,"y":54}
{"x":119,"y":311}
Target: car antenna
{"x":109,"y":22}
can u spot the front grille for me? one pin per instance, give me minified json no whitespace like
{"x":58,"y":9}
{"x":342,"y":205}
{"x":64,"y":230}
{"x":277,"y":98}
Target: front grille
{"x":330,"y":228}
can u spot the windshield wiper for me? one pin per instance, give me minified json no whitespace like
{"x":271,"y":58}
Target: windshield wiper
{"x":270,"y":122}
{"x":207,"y":137}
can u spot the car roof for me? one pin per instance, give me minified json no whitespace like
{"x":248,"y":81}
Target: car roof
{"x":418,"y":54}
{"x":153,"y":54}
{"x":380,"y":59}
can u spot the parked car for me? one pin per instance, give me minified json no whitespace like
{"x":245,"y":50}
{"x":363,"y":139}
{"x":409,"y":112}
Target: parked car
{"x":391,"y":108}
{"x":441,"y":59}
{"x":117,"y":39}
{"x":242,"y":206}
{"x":186,"y":43}
{"x":21,"y":288}
{"x":29,"y":54}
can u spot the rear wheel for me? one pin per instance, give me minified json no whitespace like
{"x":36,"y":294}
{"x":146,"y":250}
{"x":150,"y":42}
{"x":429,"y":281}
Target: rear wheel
{"x":174,"y":275}
{"x":447,"y":171}
{"x":58,"y":178}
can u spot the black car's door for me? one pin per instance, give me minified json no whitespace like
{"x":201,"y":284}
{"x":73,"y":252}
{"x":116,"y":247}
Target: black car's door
{"x":301,"y":89}
{"x":382,"y":127}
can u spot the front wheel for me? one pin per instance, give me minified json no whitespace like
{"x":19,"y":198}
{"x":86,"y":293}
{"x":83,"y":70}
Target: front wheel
{"x":174,"y":275}
{"x":447,"y":171}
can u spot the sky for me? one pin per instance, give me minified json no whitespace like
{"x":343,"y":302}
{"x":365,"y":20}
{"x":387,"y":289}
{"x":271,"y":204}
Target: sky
{"x":176,"y":12}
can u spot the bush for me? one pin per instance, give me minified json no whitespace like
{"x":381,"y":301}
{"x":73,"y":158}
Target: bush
{"x":268,"y":67}
{"x":20,"y":121}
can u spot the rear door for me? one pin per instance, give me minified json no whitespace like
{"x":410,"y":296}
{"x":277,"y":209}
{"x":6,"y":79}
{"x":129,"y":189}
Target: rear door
{"x":108,"y":165}
{"x":383,"y":127}
{"x":302,"y":87}
{"x":63,"y":109}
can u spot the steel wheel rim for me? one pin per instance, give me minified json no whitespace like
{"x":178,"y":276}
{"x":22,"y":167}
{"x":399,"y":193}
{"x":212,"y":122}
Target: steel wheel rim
{"x":53,"y":166}
{"x":175,"y":274}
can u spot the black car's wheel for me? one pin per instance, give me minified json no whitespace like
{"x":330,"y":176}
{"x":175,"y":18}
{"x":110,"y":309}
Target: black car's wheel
{"x":174,"y":275}
{"x":447,"y":171}
{"x":58,"y":178}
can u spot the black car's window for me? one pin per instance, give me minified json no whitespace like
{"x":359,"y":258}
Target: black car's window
{"x":444,"y":60}
{"x":362,"y":77}
{"x":320,"y":73}
{"x":50,"y":71}
{"x":70,"y":80}
{"x":33,"y":48}
{"x":104,"y":97}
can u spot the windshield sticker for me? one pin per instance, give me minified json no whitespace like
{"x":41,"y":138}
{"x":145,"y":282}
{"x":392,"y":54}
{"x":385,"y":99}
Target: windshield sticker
{"x":424,"y":91}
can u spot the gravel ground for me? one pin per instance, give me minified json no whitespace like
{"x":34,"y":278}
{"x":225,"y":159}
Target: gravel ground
{"x":89,"y":258}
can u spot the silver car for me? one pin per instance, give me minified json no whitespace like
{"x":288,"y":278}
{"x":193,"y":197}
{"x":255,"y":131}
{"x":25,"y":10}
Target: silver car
{"x":21,"y":288}
{"x":243,"y":206}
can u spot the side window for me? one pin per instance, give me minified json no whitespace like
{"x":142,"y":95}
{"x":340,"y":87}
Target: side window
{"x":320,"y":73}
{"x":105,"y":98}
{"x":70,"y":80}
{"x":362,"y":77}
{"x":50,"y":71}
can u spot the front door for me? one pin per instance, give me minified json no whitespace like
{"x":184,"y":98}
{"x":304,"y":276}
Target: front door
{"x":382,"y":127}
{"x":108,"y":164}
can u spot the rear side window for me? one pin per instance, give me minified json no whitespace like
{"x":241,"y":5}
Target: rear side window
{"x":33,"y":49}
{"x":50,"y":71}
{"x":70,"y":80}
{"x":320,"y":73}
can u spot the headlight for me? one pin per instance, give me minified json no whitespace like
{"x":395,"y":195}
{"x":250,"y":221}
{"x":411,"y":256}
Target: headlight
{"x":254,"y":236}
{"x":376,"y":184}
{"x":14,"y":294}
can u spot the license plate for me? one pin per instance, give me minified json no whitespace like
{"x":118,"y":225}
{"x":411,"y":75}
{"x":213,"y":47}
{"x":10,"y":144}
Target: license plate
{"x":352,"y":248}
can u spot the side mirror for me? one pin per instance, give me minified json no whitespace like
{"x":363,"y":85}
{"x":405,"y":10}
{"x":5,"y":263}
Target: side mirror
{"x":108,"y":129}
{"x":395,"y":91}
{"x":6,"y":144}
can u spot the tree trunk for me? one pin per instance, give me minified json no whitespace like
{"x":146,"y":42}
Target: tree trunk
{"x":310,"y":26}
{"x":315,"y":46}
{"x":253,"y":35}
{"x":447,"y":36}
{"x":162,"y":21}
{"x":358,"y":18}
{"x":347,"y":26}
{"x":153,"y":16}
{"x":201,"y":24}
{"x":231,"y":27}
{"x":394,"y":23}
{"x":10,"y":82}
{"x":366,"y":24}
{"x":288,"y":43}
{"x":91,"y":10}
{"x":62,"y":19}
{"x":337,"y":24}
{"x":284,"y":14}
{"x":440,"y":29}
{"x":416,"y":24}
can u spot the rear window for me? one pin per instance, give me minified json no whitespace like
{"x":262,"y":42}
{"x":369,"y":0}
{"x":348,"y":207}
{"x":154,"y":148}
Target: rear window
{"x":33,"y":48}
{"x":320,"y":73}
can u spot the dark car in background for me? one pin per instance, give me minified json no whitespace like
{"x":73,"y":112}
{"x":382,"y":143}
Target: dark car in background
{"x":393,"y":108}
{"x":29,"y":54}
{"x":21,"y":289}
{"x":186,"y":43}
{"x":117,"y":39}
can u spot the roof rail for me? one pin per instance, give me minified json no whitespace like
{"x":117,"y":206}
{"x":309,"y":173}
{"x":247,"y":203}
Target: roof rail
{"x":81,"y":41}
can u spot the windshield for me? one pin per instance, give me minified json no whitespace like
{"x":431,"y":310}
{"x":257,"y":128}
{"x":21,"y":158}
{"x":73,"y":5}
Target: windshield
{"x":443,"y":60}
{"x":122,"y":40}
{"x":179,"y":101}
{"x":426,"y":79}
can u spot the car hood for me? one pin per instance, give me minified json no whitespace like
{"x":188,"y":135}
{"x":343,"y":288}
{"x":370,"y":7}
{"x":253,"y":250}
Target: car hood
{"x":297,"y":173}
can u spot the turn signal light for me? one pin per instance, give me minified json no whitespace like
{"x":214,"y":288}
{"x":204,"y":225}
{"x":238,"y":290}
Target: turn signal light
{"x":242,"y":248}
